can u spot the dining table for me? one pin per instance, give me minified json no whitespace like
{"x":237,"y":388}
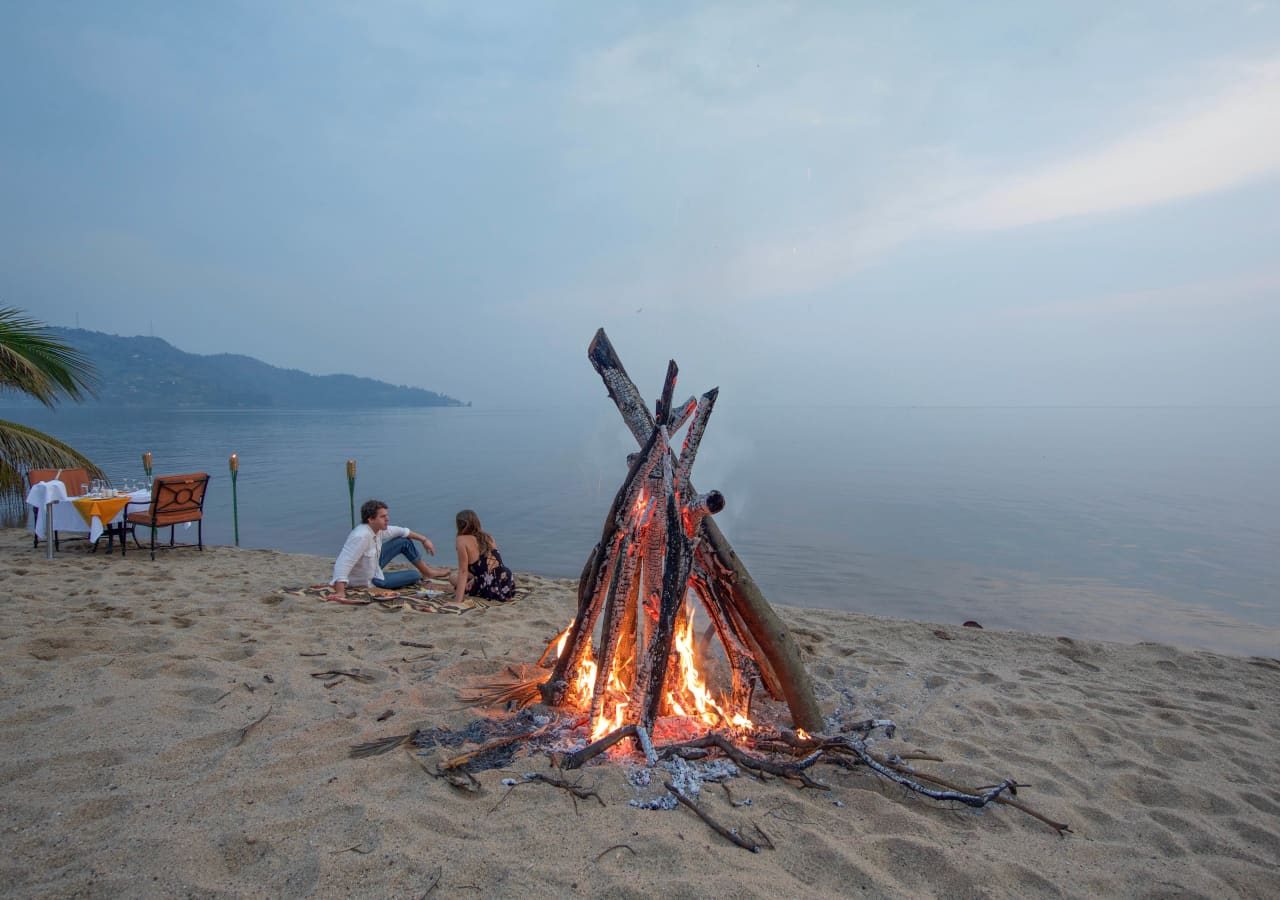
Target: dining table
{"x":95,"y":514}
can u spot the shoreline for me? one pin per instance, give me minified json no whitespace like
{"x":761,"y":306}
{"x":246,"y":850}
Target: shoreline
{"x":163,"y":734}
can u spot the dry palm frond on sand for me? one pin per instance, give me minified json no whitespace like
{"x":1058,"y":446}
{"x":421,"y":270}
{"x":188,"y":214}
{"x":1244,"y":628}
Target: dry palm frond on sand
{"x":512,"y":689}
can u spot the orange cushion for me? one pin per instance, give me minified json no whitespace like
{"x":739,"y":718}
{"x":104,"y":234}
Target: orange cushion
{"x":172,"y":518}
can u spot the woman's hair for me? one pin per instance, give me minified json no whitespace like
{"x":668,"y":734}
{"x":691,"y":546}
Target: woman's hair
{"x":469,"y":523}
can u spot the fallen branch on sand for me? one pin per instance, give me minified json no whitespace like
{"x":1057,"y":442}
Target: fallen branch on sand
{"x":354,"y":675}
{"x":575,"y":789}
{"x":729,"y":834}
{"x":244,"y":732}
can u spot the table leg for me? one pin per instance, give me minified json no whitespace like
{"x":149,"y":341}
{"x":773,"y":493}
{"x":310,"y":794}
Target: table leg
{"x":48,"y":531}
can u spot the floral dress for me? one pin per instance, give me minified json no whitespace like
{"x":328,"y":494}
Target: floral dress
{"x":491,"y":580}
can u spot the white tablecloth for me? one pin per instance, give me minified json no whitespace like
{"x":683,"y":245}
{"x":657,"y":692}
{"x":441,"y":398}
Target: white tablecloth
{"x":65,"y":515}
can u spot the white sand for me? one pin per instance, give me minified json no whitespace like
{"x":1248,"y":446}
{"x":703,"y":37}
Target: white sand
{"x":125,"y":770}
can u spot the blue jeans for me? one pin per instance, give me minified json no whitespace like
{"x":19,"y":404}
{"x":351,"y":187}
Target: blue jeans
{"x":390,"y":550}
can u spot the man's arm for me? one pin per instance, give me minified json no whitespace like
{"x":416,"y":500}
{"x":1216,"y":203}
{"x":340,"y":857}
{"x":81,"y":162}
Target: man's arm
{"x":422,"y":539}
{"x":413,"y":536}
{"x":351,"y":551}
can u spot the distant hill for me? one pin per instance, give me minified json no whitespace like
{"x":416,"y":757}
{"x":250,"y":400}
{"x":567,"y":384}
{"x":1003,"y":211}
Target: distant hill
{"x":150,"y":372}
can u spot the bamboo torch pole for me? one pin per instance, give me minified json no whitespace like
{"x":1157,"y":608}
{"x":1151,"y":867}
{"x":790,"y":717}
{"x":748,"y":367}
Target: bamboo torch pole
{"x":234,"y":464}
{"x":351,"y":489}
{"x":146,"y":467}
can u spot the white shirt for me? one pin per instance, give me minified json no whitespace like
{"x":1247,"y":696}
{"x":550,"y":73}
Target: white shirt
{"x":357,"y":563}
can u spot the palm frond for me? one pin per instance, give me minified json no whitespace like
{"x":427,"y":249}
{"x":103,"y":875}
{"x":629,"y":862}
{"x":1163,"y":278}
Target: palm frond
{"x":381,"y":745}
{"x":23,"y":447}
{"x":34,"y":363}
{"x":512,"y":691}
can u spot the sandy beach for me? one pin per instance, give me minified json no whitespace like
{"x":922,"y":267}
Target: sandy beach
{"x":163,"y":735}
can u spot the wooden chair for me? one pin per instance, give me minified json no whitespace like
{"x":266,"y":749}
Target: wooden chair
{"x":175,"y":499}
{"x":72,"y":478}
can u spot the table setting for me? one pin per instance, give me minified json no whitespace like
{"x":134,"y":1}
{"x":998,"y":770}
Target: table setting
{"x":96,"y":507}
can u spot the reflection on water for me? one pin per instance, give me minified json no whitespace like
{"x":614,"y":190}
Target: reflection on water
{"x":1127,"y":524}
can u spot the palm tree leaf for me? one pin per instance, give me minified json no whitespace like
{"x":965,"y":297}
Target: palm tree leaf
{"x":23,"y":447}
{"x":32,"y":362}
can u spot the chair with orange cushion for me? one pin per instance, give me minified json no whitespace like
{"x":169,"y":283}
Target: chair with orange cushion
{"x":76,"y":481}
{"x":175,"y":500}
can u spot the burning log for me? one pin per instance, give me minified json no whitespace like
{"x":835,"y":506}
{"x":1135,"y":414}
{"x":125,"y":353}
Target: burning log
{"x":591,"y":587}
{"x":578,"y":758}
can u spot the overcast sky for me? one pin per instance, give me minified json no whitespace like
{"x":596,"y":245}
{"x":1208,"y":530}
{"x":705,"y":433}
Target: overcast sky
{"x":899,"y":203}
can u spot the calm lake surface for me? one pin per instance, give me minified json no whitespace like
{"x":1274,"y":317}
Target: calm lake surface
{"x":1132,"y":524}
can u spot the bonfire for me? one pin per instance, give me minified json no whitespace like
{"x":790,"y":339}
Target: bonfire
{"x":631,"y":669}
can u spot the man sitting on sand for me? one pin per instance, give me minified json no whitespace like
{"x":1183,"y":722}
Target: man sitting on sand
{"x":372,"y":545}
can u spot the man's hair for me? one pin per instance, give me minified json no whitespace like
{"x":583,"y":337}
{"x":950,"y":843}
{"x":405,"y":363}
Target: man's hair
{"x":369,"y":509}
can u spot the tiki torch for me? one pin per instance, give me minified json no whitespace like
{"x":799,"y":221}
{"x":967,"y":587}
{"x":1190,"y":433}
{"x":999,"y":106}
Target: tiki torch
{"x":351,"y":488}
{"x":234,"y":465}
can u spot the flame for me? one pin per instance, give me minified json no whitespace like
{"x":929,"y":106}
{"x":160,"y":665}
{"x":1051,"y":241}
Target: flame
{"x":585,"y":682}
{"x":688,"y":697}
{"x":693,"y":687}
{"x":564,"y":636}
{"x":615,"y":694}
{"x":802,"y":734}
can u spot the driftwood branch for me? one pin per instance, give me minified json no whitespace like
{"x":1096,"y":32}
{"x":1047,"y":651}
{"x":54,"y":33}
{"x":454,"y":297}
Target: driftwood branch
{"x":1060,"y":827}
{"x":244,"y":732}
{"x":728,"y":834}
{"x":899,"y":773}
{"x":573,"y":788}
{"x":757,"y":764}
{"x":601,"y":854}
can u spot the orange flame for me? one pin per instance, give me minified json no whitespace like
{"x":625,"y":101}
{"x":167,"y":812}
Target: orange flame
{"x":689,"y":697}
{"x":693,"y":687}
{"x":564,"y":636}
{"x":585,"y":681}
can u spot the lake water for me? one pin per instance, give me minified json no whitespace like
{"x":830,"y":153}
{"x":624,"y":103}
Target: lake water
{"x":1126,"y":524}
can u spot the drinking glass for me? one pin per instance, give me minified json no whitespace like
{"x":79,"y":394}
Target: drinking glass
{"x":84,"y":490}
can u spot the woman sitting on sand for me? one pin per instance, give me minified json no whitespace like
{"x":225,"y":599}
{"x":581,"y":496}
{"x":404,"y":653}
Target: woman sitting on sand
{"x":480,"y":570}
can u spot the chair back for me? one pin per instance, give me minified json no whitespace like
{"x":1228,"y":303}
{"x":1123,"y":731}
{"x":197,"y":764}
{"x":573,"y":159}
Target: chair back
{"x":74,"y":479}
{"x":177,"y":498}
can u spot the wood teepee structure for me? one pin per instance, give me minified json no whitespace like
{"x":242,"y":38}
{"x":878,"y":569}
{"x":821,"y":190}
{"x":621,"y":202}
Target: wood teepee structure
{"x":660,"y":542}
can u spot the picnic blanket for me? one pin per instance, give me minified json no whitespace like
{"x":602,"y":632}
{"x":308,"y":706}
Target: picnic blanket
{"x":417,"y":598}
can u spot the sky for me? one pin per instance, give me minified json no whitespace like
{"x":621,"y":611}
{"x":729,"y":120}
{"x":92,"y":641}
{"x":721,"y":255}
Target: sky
{"x":802,"y":203}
